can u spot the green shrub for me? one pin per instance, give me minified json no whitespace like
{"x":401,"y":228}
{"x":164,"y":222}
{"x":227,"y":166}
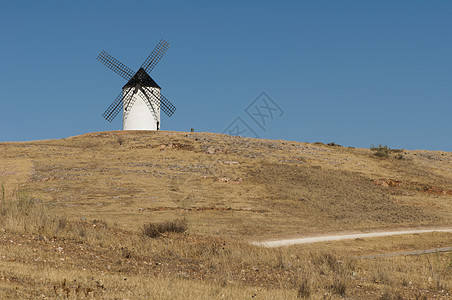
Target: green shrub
{"x":381,"y":151}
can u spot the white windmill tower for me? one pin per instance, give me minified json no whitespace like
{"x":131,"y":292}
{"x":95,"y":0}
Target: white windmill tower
{"x":141,"y":99}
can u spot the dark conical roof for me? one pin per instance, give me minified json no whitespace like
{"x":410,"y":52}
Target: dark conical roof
{"x":141,"y":77}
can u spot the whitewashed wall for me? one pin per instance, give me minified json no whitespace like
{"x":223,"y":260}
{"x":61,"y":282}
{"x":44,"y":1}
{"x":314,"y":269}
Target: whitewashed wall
{"x":140,"y":117}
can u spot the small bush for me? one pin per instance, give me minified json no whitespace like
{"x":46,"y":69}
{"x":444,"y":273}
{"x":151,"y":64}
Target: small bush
{"x":381,"y":151}
{"x":155,"y":230}
{"x":333,"y":144}
{"x":62,"y":223}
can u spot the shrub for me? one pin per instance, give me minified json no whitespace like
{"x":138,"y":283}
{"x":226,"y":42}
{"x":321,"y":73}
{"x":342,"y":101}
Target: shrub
{"x":333,"y":144}
{"x":381,"y":151}
{"x":155,"y":230}
{"x":384,"y":151}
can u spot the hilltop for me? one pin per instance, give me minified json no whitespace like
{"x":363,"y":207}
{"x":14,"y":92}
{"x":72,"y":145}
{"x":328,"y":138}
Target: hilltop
{"x":227,"y":189}
{"x":236,"y":184}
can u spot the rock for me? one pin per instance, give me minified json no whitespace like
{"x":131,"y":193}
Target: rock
{"x":211,"y":150}
{"x":223,"y":179}
{"x":231,"y":162}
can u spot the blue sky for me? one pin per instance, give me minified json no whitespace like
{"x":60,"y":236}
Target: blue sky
{"x":355,"y":73}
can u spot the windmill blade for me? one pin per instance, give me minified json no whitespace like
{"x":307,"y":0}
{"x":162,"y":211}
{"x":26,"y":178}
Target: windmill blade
{"x":167,"y":107}
{"x":114,"y":64}
{"x":128,"y":105}
{"x":112,"y":111}
{"x":149,"y":95}
{"x":163,"y":103}
{"x":155,"y":56}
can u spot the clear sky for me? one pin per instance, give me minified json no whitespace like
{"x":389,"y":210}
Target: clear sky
{"x":355,"y":73}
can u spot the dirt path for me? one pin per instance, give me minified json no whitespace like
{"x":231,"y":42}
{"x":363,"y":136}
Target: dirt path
{"x":328,"y":238}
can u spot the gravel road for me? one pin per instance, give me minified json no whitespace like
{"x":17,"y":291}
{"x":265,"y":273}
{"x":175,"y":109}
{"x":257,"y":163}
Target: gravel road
{"x":328,"y":238}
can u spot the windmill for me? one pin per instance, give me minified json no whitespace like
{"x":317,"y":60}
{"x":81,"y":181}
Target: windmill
{"x":140,"y":99}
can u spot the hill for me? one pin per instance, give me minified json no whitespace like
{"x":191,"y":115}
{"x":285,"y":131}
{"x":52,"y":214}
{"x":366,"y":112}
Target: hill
{"x":228,"y":190}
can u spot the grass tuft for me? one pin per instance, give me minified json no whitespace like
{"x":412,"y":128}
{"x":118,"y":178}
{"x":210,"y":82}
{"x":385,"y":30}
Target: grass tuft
{"x":304,"y":289}
{"x":339,"y":286}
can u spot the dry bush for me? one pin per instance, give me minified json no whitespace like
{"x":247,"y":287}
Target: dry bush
{"x":155,"y":230}
{"x":333,"y":144}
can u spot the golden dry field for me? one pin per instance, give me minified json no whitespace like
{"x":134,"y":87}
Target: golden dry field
{"x":73,"y":213}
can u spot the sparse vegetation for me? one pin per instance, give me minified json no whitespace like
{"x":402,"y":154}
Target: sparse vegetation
{"x":72,"y":215}
{"x":155,"y":230}
{"x":24,"y":214}
{"x":385,"y":151}
{"x":106,"y":262}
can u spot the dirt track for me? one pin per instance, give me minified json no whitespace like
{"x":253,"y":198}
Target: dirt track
{"x":328,"y":238}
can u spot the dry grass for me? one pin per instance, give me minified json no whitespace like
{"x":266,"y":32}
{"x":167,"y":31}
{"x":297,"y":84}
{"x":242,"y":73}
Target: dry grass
{"x":154,"y":230}
{"x":230,"y":186}
{"x":89,"y":259}
{"x":73,"y":211}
